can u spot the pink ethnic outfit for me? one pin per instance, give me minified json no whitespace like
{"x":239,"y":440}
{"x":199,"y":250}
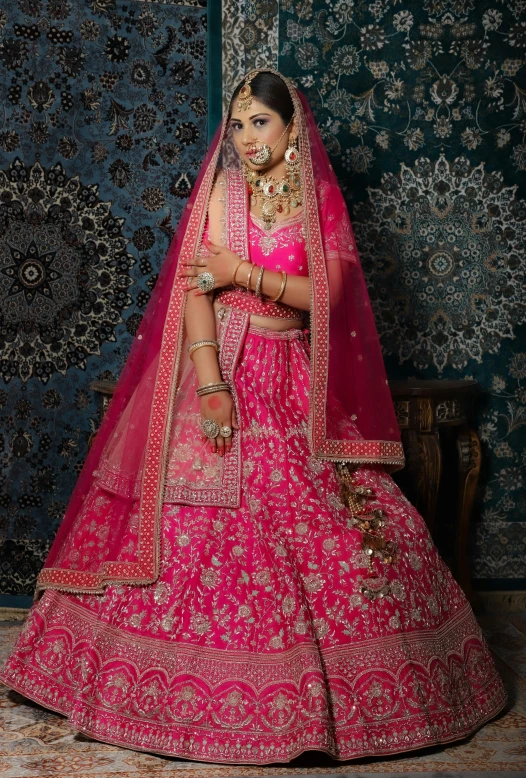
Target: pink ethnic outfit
{"x":268,"y":629}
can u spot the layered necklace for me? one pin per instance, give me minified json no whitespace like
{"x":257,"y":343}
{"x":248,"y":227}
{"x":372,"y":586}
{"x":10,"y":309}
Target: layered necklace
{"x":276,"y":196}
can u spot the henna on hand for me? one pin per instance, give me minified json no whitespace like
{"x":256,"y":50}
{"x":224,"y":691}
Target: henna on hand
{"x":213,"y":402}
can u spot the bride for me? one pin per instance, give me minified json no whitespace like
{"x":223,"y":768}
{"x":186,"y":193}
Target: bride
{"x":237,"y":578}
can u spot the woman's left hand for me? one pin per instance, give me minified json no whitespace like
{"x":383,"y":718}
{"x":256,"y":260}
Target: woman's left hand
{"x":221,"y":265}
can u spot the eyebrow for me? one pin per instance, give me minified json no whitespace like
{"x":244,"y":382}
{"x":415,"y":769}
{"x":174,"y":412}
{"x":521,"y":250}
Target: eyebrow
{"x":261,"y":113}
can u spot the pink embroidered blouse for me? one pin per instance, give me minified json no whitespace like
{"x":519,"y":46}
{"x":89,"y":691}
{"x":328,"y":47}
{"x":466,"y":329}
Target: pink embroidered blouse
{"x":280,"y":248}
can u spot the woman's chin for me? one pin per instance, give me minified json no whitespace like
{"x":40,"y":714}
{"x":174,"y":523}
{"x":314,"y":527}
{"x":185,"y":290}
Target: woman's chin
{"x":252,"y":165}
{"x":261,"y":168}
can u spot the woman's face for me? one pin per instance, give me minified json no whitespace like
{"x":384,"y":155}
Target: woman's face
{"x":256,"y":125}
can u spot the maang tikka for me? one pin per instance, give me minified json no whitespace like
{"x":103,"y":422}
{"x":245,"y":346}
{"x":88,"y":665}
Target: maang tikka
{"x":244,"y":99}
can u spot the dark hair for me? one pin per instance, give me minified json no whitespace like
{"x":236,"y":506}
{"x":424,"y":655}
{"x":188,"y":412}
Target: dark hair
{"x":270,"y":90}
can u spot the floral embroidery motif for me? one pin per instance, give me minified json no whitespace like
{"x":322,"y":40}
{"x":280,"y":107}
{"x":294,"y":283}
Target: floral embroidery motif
{"x":283,"y":234}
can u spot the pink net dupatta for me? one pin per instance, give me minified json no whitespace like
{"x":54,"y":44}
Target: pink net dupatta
{"x":110,"y":531}
{"x":349,"y":388}
{"x":148,"y":449}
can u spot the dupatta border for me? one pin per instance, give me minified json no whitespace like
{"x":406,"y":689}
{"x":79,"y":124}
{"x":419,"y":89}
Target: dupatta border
{"x":231,"y":338}
{"x":145,"y":570}
{"x":357,"y":451}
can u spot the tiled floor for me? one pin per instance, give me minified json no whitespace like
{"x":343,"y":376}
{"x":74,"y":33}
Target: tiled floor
{"x":36,"y":742}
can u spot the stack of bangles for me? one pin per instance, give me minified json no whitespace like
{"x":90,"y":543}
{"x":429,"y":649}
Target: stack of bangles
{"x":257,"y":290}
{"x":213,"y":386}
{"x":210,"y":427}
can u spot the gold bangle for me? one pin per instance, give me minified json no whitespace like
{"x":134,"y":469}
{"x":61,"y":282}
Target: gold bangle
{"x":257,"y":290}
{"x":282,"y":287}
{"x":235,"y":271}
{"x":199,"y":344}
{"x":250,"y":273}
{"x":203,"y":342}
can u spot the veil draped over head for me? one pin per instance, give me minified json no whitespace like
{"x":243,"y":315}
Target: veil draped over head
{"x":149,"y":451}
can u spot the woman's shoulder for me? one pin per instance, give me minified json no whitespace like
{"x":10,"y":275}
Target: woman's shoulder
{"x":219,"y":176}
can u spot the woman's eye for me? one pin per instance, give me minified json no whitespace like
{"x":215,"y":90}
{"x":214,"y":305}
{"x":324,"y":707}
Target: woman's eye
{"x":257,"y":122}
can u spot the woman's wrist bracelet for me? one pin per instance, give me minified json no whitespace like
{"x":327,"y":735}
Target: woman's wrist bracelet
{"x":281,"y":289}
{"x":199,"y":343}
{"x":257,"y":290}
{"x":249,"y":274}
{"x":217,"y":386}
{"x":236,"y":269}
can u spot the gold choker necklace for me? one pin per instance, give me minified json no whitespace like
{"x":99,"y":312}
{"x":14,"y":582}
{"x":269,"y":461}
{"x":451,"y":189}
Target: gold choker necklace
{"x":275,"y":196}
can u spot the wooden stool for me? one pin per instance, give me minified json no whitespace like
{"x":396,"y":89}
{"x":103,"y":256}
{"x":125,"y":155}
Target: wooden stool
{"x":424,"y":409}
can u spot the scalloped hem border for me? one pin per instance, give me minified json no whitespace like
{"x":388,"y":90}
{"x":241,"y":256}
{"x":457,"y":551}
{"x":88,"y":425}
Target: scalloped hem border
{"x":395,"y":750}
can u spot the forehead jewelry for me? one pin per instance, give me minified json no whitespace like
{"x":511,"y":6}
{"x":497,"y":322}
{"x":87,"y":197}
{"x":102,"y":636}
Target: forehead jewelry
{"x":244,"y":99}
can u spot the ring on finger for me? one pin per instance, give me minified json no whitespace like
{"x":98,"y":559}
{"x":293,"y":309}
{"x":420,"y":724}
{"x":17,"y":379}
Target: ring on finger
{"x":205,"y":281}
{"x":210,"y":428}
{"x":225,"y":431}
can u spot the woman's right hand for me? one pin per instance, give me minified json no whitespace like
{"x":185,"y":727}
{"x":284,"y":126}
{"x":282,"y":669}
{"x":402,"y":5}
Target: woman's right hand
{"x":219,"y":406}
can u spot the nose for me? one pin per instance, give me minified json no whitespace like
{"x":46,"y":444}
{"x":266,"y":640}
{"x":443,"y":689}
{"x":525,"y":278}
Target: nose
{"x":247,"y":136}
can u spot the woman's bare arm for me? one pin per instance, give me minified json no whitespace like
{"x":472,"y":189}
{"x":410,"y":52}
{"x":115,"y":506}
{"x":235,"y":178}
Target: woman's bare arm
{"x":200,"y":325}
{"x":297,"y":289}
{"x":199,"y":314}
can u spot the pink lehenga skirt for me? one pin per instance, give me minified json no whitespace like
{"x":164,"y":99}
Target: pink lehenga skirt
{"x":261,"y":639}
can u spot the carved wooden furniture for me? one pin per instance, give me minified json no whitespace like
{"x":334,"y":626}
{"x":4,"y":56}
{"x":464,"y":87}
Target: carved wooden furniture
{"x":425,"y":410}
{"x":427,"y":413}
{"x":105,"y":389}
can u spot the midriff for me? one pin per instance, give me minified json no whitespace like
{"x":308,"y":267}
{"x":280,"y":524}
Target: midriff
{"x":270,"y":322}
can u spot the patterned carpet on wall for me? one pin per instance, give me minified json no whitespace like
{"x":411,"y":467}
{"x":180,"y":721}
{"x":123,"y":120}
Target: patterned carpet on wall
{"x":36,"y":742}
{"x":103,"y":132}
{"x":421,"y":105}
